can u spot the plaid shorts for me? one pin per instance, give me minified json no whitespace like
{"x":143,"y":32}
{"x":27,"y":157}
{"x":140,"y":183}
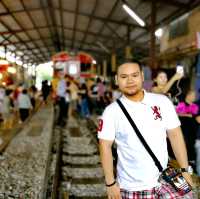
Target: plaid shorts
{"x":165,"y":191}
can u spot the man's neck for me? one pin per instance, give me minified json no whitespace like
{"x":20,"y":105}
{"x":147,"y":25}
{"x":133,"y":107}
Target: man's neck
{"x":161,"y":86}
{"x":136,"y":97}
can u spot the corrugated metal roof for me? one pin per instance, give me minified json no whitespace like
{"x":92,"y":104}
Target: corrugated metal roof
{"x":40,"y":28}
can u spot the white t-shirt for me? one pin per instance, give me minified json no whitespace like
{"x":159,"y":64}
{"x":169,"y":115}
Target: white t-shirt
{"x":153,"y":115}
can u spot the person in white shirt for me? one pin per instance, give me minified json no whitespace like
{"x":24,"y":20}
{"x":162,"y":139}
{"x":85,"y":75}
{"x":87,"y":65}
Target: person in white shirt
{"x":7,"y":110}
{"x":155,"y":117}
{"x":73,"y":103}
{"x":24,"y":105}
{"x":62,"y":102}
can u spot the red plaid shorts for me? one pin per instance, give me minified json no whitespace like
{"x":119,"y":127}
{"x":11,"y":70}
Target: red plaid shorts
{"x":165,"y":191}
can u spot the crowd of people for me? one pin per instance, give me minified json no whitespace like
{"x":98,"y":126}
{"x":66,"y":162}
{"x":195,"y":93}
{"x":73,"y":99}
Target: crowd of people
{"x":187,"y":107}
{"x":17,"y":103}
{"x":85,"y":97}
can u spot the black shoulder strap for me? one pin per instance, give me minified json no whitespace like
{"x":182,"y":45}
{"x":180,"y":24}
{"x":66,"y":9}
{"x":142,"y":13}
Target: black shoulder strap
{"x":157,"y":162}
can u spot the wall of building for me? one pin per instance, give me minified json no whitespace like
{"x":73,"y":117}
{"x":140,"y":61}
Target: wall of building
{"x":185,"y":41}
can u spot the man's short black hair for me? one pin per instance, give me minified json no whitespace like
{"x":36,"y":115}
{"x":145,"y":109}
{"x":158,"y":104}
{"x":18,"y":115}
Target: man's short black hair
{"x":131,"y":61}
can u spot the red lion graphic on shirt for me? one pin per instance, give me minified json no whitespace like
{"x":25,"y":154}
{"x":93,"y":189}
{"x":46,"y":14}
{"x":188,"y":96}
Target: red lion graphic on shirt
{"x":156,"y":112}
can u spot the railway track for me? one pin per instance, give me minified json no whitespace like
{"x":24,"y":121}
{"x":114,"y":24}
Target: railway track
{"x":75,"y":170}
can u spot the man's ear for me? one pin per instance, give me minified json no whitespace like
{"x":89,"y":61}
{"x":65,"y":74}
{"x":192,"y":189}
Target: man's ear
{"x":116,"y":81}
{"x":142,"y":76}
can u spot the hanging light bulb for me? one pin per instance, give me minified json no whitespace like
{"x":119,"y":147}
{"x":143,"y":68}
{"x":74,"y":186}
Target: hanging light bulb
{"x":159,"y":32}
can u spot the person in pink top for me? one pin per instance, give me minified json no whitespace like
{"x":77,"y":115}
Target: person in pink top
{"x":100,"y":93}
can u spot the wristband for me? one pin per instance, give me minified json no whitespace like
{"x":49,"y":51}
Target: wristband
{"x":189,"y":170}
{"x":109,"y":185}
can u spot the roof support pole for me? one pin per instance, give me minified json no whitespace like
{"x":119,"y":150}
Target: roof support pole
{"x":99,"y":69}
{"x":128,"y":54}
{"x":93,"y":68}
{"x":105,"y":68}
{"x":113,"y":62}
{"x":23,"y":71}
{"x":113,"y":59}
{"x":152,"y":35}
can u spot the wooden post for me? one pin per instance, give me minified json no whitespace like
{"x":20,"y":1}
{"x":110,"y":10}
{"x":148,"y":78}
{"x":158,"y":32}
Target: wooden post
{"x":104,"y":69}
{"x":113,"y":62}
{"x":128,"y":54}
{"x":99,"y":69}
{"x":92,"y":68}
{"x":66,"y":195}
{"x":152,"y":55}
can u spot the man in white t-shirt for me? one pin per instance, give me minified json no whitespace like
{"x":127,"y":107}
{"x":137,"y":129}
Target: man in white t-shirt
{"x":155,"y":117}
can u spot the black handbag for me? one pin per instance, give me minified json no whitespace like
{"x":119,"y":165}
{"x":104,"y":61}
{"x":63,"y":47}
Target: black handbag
{"x":170,"y":175}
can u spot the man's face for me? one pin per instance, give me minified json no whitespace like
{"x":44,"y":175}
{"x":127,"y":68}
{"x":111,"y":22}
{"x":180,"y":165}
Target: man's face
{"x":130,"y":79}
